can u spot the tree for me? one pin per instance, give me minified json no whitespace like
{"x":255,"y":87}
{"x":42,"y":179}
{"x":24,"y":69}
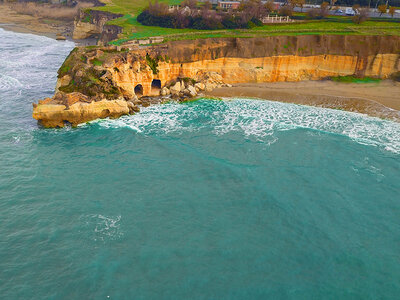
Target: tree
{"x":332,"y":3}
{"x":382,"y":9}
{"x":158,"y":9}
{"x":301,"y":4}
{"x":324,"y":5}
{"x":324,"y":9}
{"x":207,"y":5}
{"x":189,"y":3}
{"x":253,"y":9}
{"x":286,"y":10}
{"x":361,"y":16}
{"x":269,"y":6}
{"x":392,"y":10}
{"x":313,"y":13}
{"x":356,"y":8}
{"x":298,"y":3}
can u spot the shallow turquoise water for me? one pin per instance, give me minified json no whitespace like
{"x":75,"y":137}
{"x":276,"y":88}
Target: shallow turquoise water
{"x":238,"y":199}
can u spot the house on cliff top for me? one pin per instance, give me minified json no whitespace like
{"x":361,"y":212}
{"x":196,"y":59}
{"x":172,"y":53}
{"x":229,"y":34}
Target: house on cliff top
{"x":229,"y":4}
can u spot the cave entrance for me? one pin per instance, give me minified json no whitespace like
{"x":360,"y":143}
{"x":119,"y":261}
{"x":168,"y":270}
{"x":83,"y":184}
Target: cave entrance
{"x":155,"y":85}
{"x":139,"y":90}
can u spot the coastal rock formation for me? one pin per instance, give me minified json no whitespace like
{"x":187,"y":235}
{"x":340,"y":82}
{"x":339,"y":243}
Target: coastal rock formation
{"x":185,"y":68}
{"x":57,"y":115}
{"x":91,"y":23}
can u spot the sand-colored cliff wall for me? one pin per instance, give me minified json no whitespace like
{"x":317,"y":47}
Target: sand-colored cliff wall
{"x":257,"y":70}
{"x":268,"y":59}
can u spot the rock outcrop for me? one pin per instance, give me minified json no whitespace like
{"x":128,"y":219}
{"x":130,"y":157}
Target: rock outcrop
{"x":185,"y":68}
{"x":92,"y":23}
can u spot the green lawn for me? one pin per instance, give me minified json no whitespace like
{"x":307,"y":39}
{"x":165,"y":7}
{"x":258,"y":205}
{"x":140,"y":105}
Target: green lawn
{"x":133,"y":7}
{"x":330,"y":25}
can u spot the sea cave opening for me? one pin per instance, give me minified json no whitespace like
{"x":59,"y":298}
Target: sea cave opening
{"x":139,"y":90}
{"x":155,"y":85}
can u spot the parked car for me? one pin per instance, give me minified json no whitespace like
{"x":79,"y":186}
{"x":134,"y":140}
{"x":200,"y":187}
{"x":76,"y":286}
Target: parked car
{"x":339,"y":12}
{"x":350,"y":12}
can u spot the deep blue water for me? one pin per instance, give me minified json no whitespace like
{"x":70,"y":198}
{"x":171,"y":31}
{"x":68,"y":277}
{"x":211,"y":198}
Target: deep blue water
{"x":239,"y":199}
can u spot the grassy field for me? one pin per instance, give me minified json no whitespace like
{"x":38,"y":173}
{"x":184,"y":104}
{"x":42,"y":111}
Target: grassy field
{"x":132,"y":29}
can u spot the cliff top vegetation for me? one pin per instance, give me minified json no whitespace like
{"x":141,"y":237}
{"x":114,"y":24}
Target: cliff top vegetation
{"x":322,"y":24}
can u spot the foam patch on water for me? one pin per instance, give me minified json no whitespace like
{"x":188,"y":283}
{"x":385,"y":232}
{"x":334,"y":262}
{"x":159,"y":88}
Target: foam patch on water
{"x":260,"y":119}
{"x":8,"y":82}
{"x":105,"y":227}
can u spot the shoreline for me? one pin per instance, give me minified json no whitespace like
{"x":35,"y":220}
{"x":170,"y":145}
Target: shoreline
{"x":13,"y":21}
{"x":380,"y":100}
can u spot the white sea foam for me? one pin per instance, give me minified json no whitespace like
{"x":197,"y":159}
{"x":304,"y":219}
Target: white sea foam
{"x":8,"y":83}
{"x":260,"y":119}
{"x":104,"y":227}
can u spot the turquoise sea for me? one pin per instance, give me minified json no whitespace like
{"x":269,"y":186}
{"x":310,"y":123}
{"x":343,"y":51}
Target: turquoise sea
{"x":233,"y":199}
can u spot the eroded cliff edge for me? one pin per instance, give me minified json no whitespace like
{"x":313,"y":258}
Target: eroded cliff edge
{"x":109,"y":81}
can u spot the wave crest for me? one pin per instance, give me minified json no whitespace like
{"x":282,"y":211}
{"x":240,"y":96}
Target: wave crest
{"x":260,"y":119}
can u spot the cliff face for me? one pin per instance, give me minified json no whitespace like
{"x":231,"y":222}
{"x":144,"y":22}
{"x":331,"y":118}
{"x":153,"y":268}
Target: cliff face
{"x":109,"y":74}
{"x":260,"y":60}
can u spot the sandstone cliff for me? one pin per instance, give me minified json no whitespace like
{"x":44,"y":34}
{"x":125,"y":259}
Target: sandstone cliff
{"x":110,"y":73}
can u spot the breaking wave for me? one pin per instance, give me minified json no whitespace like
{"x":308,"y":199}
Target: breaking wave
{"x":260,"y":119}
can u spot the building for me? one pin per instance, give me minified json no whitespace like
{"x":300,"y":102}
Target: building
{"x":229,"y":4}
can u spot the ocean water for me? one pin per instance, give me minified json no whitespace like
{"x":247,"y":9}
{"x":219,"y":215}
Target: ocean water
{"x":233,"y":199}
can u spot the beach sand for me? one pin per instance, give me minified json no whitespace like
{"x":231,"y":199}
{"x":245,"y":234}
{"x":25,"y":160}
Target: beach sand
{"x":381,"y":99}
{"x":13,"y":21}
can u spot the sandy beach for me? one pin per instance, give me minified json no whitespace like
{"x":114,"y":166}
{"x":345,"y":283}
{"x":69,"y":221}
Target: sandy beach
{"x":381,"y":99}
{"x":13,"y":21}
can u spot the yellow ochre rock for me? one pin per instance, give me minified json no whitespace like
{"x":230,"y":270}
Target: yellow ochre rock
{"x":56,"y":115}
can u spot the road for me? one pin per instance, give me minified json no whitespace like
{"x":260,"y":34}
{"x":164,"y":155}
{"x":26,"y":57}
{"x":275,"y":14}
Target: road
{"x":372,"y":14}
